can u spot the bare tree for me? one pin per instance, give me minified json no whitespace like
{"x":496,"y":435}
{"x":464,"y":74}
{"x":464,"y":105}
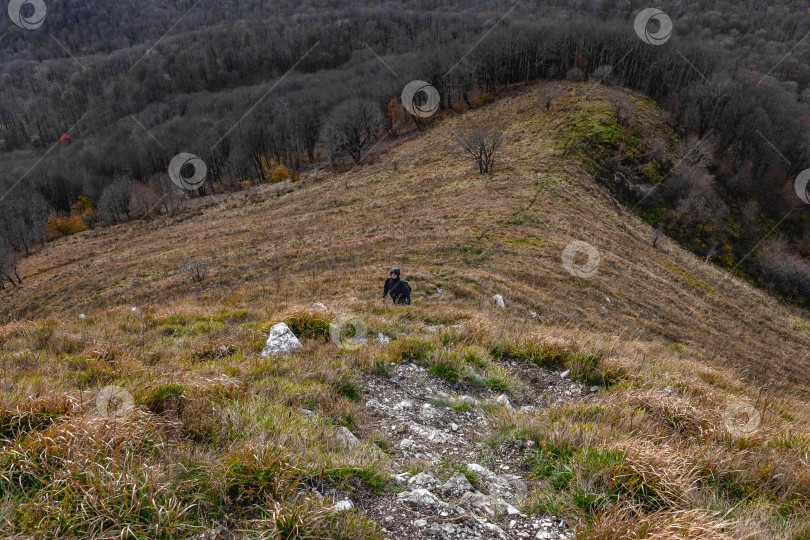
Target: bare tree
{"x":482,"y":144}
{"x":9,"y":259}
{"x":622,"y":109}
{"x":352,"y":127}
{"x":550,"y":94}
{"x":197,"y":271}
{"x":712,"y":250}
{"x":658,"y":233}
{"x":115,"y":199}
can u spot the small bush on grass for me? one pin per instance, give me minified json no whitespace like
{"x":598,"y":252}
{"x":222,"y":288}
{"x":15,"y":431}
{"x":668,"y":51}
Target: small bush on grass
{"x":445,"y":371}
{"x":537,"y":352}
{"x":414,"y":350}
{"x":164,"y":397}
{"x":588,"y":369}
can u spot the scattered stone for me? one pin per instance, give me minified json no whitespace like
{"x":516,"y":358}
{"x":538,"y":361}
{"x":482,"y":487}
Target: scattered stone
{"x":533,"y":314}
{"x":306,"y":412}
{"x":382,"y":339}
{"x":429,"y":434}
{"x":281,"y":341}
{"x":501,"y":506}
{"x":476,"y":500}
{"x":408,"y":444}
{"x":518,"y":484}
{"x":420,"y":523}
{"x":401,"y":479}
{"x":320,"y":306}
{"x":669,"y":390}
{"x":509,"y":486}
{"x":346,"y":438}
{"x":424,"y":480}
{"x":499,"y":300}
{"x":343,"y":506}
{"x":453,"y":426}
{"x":594,"y":389}
{"x":421,"y":498}
{"x":503,"y":400}
{"x":528,"y":409}
{"x":565,"y":374}
{"x":374,"y":404}
{"x":403,"y":405}
{"x":456,"y":486}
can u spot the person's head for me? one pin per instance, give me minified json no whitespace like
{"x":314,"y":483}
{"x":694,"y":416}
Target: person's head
{"x":394,"y":273}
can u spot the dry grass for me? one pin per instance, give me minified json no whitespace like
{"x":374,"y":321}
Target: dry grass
{"x":218,"y":439}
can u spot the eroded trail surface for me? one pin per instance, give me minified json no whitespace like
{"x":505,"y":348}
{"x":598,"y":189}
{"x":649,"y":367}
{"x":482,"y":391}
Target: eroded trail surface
{"x":453,"y":484}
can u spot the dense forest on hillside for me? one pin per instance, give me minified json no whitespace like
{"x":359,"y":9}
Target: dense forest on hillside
{"x":98,"y":100}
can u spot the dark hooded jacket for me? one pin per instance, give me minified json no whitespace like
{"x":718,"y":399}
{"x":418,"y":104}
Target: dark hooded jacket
{"x":398,"y":288}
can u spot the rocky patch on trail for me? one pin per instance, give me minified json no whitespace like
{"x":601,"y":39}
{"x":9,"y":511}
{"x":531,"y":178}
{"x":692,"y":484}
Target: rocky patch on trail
{"x":432,"y":427}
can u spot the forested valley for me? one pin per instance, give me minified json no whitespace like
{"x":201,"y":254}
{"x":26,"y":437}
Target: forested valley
{"x":97,"y":102}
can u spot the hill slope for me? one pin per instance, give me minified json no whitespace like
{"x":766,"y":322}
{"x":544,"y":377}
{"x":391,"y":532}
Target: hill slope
{"x":672,"y":344}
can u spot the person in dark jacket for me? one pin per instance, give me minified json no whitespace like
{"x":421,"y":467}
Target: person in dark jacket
{"x":398,"y":288}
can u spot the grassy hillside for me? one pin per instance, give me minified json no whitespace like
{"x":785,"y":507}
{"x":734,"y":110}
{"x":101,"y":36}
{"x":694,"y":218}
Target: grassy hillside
{"x":217,"y":443}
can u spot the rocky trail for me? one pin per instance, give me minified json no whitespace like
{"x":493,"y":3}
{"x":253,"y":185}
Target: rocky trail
{"x":438,"y":444}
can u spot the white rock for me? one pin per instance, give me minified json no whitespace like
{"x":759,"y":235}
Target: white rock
{"x":281,"y":341}
{"x":420,"y":523}
{"x":382,"y":339}
{"x":508,"y":486}
{"x":346,"y":438}
{"x":503,"y":400}
{"x":512,"y":511}
{"x":499,"y":300}
{"x":343,"y":506}
{"x":594,"y":388}
{"x":429,"y":434}
{"x":565,"y":374}
{"x":374,"y":404}
{"x":421,"y":498}
{"x":456,"y":486}
{"x":403,"y":405}
{"x":407,"y":444}
{"x":423,"y":480}
{"x":533,"y":314}
{"x":401,"y":479}
{"x":82,"y":316}
{"x":476,"y":500}
{"x":527,"y":409}
{"x":453,"y":426}
{"x":320,"y":306}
